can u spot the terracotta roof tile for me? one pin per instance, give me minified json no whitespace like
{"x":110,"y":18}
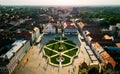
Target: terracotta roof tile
{"x":81,"y":25}
{"x":98,"y":47}
{"x":70,"y":26}
{"x":107,"y":37}
{"x":89,"y":38}
{"x":108,"y":58}
{"x":118,"y":45}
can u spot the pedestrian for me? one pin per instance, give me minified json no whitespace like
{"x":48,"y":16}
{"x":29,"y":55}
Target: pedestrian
{"x":27,"y":59}
{"x":39,"y":64}
{"x":68,"y":71}
{"x":73,"y":69}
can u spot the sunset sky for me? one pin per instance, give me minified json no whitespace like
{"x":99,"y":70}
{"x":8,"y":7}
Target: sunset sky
{"x":61,"y":2}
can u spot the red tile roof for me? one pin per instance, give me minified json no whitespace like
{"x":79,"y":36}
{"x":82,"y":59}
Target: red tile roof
{"x":98,"y":47}
{"x":108,"y":58}
{"x":70,"y":26}
{"x":81,"y":24}
{"x":107,"y":37}
{"x":118,"y":45}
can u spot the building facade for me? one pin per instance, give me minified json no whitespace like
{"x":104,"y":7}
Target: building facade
{"x":50,"y":29}
{"x":11,"y":59}
{"x":70,"y":29}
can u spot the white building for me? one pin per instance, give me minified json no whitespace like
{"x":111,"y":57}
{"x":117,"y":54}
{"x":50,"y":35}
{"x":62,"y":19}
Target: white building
{"x":118,"y":26}
{"x":13,"y":56}
{"x":50,"y":29}
{"x":112,"y":27}
{"x":37,"y":32}
{"x":115,"y":28}
{"x":70,"y":29}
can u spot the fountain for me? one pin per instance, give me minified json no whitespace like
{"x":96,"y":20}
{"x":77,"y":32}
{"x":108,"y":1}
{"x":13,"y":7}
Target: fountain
{"x":60,"y":48}
{"x":60,"y":58}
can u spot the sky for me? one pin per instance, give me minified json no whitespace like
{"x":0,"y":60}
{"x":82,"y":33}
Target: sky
{"x":61,"y":2}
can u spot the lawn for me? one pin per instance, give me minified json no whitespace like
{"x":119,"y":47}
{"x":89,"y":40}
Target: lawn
{"x":70,"y":42}
{"x":66,"y":60}
{"x":53,"y":60}
{"x":57,"y":45}
{"x":72,"y":52}
{"x":57,"y":38}
{"x":49,"y":52}
{"x":63,"y":38}
{"x":51,"y":41}
{"x":66,"y":46}
{"x":54,"y":46}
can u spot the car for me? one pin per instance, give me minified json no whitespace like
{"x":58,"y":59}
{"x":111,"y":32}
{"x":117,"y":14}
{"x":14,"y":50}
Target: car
{"x":87,"y":48}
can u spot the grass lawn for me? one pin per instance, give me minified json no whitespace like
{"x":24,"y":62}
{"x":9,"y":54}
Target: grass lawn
{"x":72,"y":52}
{"x":66,"y":60}
{"x":65,"y":47}
{"x":63,"y":38}
{"x":57,"y":38}
{"x":54,"y":46}
{"x":70,"y":42}
{"x":57,"y":45}
{"x":51,"y":41}
{"x":49,"y":52}
{"x":53,"y":60}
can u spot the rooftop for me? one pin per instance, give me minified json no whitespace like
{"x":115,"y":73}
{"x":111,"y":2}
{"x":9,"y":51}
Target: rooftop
{"x":112,"y":49}
{"x":16,"y":46}
{"x":118,"y":45}
{"x":81,"y":24}
{"x":70,"y":26}
{"x":49,"y":25}
{"x":101,"y":38}
{"x":107,"y":37}
{"x":108,"y":59}
{"x":98,"y":47}
{"x":107,"y":43}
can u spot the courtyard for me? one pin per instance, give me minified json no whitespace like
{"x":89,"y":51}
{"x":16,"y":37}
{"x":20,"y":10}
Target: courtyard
{"x":60,"y":51}
{"x":38,"y":63}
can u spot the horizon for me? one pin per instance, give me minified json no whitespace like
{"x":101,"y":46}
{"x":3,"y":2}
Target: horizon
{"x":60,"y":6}
{"x":69,"y":3}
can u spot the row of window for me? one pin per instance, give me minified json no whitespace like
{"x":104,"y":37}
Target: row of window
{"x":3,"y":69}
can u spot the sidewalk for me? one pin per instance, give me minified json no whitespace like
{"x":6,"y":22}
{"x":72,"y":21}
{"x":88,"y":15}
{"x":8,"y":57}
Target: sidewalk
{"x":25,"y":59}
{"x":40,"y":37}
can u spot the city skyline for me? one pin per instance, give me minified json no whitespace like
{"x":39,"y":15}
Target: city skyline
{"x":61,"y":2}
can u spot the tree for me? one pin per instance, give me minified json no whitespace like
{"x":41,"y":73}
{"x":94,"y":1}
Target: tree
{"x":93,"y":70}
{"x":104,"y":23}
{"x":109,"y":71}
{"x":112,"y":20}
{"x":83,"y":71}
